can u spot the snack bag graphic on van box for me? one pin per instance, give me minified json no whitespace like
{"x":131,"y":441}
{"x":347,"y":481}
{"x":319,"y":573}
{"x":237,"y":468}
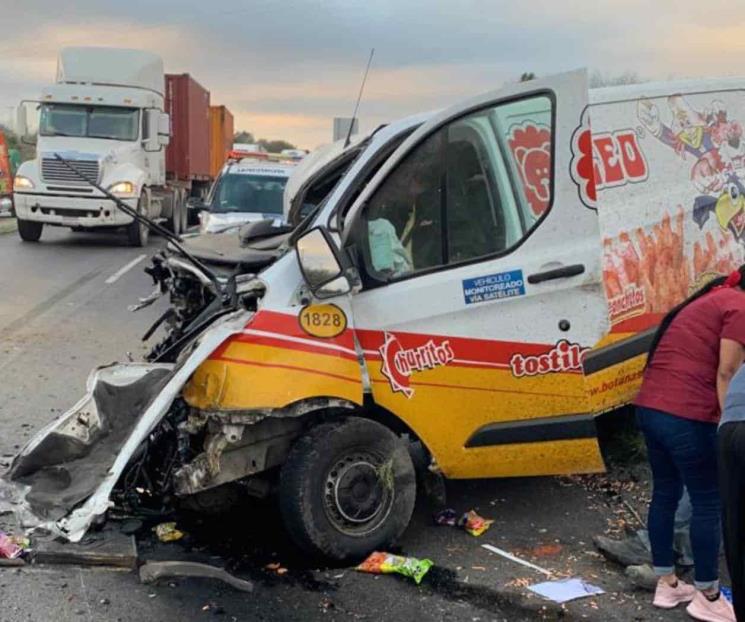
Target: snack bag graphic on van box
{"x":676,"y":166}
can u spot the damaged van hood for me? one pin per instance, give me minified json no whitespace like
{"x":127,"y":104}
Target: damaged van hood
{"x":64,"y":476}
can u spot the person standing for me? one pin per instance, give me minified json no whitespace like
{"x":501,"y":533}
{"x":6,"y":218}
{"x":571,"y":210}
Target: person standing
{"x":732,"y":485}
{"x":698,"y":348}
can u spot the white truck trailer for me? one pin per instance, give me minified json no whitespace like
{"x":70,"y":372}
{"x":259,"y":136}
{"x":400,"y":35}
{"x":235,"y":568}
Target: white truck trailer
{"x":105,"y":116}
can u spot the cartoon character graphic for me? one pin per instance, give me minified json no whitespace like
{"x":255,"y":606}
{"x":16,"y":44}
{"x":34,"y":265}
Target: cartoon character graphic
{"x":716,"y":142}
{"x":729,"y":208}
{"x":531,"y":147}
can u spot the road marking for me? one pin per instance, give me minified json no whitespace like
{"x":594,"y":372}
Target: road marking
{"x":124,"y":269}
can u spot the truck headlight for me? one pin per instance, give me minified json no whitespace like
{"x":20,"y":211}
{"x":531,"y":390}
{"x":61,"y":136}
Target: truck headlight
{"x":122,"y":188}
{"x":22,"y":183}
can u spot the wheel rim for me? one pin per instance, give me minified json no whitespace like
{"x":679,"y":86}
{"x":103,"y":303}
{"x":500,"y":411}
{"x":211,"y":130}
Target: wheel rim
{"x":358,"y":494}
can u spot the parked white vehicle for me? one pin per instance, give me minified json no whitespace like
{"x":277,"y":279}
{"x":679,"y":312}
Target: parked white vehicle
{"x":105,"y":116}
{"x":245,"y":191}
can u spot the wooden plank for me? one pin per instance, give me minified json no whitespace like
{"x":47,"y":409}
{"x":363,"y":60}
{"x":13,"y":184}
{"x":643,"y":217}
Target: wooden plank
{"x":107,"y":548}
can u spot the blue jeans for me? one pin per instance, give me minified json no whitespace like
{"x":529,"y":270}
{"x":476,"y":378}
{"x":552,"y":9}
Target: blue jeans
{"x":683,"y":452}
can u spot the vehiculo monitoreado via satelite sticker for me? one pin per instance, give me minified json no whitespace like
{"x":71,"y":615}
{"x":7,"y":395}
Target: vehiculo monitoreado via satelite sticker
{"x":475,"y":289}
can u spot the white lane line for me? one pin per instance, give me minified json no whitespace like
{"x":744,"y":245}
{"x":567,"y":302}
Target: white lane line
{"x":124,"y":269}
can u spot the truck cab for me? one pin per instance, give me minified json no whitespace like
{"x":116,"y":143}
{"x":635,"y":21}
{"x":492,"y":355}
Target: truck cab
{"x":102,"y":120}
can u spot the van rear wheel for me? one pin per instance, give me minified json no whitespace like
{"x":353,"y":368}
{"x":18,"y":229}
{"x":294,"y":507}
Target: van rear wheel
{"x":29,"y":230}
{"x":347,"y":489}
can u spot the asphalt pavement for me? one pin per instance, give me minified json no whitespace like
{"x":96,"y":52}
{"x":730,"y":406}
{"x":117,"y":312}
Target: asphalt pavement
{"x":64,"y":311}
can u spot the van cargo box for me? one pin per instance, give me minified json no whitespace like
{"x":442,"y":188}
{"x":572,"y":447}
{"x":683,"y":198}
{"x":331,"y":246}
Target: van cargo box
{"x":188,"y":104}
{"x":221,"y":137}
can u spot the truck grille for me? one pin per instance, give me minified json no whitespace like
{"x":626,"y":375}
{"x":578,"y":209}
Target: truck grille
{"x":54,"y":170}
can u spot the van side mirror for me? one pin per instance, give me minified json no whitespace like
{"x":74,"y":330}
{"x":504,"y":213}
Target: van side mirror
{"x":321,"y":264}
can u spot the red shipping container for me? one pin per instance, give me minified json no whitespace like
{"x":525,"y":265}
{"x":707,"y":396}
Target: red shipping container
{"x":188,"y":104}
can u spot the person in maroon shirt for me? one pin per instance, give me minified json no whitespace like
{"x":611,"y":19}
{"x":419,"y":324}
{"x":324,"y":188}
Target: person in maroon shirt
{"x":696,"y":351}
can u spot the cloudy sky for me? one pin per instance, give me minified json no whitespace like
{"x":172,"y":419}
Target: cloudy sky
{"x":287,"y":67}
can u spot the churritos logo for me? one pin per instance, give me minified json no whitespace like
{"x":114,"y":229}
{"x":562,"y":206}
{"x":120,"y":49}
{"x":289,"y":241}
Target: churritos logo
{"x":531,"y":148}
{"x":563,"y":357}
{"x":400,"y":363}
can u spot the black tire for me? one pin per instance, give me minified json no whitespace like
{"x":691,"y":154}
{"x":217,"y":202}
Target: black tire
{"x":29,"y":230}
{"x":137,"y":233}
{"x":174,"y":222}
{"x":318,"y":508}
{"x":184,"y":215}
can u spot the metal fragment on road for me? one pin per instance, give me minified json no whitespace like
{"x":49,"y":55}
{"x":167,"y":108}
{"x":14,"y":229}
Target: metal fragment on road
{"x":152,"y":571}
{"x":511,"y":557}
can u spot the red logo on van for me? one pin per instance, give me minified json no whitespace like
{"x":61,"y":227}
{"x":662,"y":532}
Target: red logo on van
{"x":400,"y":363}
{"x":605,"y":160}
{"x":531,"y":148}
{"x":563,"y":357}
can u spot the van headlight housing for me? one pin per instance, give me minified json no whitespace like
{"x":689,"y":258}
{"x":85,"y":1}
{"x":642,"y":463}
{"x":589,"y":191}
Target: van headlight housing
{"x":122,"y":189}
{"x":22,"y":183}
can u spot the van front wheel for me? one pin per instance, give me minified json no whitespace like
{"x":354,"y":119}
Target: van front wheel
{"x":347,"y":489}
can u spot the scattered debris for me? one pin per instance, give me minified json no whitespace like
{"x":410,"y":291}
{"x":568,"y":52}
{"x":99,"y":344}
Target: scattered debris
{"x":474,"y":524}
{"x":167,"y":532}
{"x":513,"y":558}
{"x":277,"y":568}
{"x":446,"y":518}
{"x":152,"y":571}
{"x":546,"y":550}
{"x":385,"y":563}
{"x":106,"y":548}
{"x":563,"y":590}
{"x":633,"y":511}
{"x":470,"y":521}
{"x":12,"y":547}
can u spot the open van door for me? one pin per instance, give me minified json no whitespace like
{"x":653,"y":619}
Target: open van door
{"x":480,"y":268}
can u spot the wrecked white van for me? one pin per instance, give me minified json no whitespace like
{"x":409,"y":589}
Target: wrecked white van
{"x":470,"y":302}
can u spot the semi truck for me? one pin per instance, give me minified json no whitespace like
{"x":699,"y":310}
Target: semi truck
{"x":113,"y":116}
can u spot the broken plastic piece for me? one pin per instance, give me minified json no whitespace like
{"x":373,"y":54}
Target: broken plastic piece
{"x":167,"y":532}
{"x":447,"y":518}
{"x":474,"y":524}
{"x":152,"y":571}
{"x":385,"y":563}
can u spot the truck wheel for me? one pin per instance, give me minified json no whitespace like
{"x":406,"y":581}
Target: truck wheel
{"x":346,"y":489}
{"x":29,"y":230}
{"x":137,"y":232}
{"x":184,"y":215}
{"x":174,"y":223}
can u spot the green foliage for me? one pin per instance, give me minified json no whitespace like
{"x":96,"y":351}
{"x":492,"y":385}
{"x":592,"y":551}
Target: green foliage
{"x":527,"y":76}
{"x":243,"y":137}
{"x":270,"y":145}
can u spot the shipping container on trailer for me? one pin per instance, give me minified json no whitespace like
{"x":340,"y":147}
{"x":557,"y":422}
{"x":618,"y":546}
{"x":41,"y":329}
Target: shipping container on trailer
{"x":188,"y":104}
{"x":221,"y":137}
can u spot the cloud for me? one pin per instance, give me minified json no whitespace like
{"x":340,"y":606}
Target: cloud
{"x":287,"y":68}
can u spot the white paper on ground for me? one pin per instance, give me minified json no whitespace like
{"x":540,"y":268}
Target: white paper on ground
{"x":564,"y":590}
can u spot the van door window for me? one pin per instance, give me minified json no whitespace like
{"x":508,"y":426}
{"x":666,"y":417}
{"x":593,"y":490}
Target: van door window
{"x":473,"y":189}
